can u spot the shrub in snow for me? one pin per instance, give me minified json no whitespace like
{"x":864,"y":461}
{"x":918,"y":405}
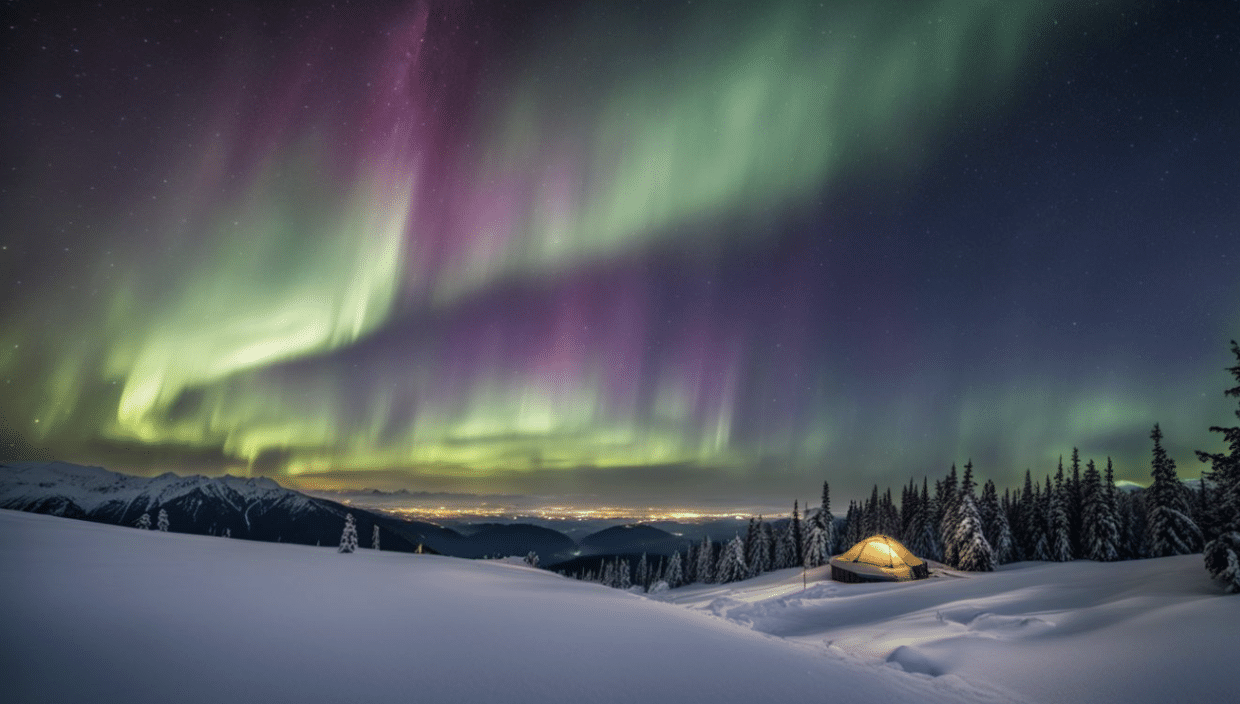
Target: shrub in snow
{"x":144,"y":522}
{"x":374,"y":538}
{"x":348,"y":539}
{"x":658,"y":587}
{"x":532,"y":559}
{"x":163,"y":520}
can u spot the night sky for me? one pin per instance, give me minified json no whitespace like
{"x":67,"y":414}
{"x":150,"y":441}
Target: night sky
{"x":638,"y":250}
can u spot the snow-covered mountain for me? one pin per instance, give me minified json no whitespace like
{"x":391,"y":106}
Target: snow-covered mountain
{"x":254,"y":509}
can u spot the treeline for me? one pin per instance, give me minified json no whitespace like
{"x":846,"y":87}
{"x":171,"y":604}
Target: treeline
{"x":1077,"y":513}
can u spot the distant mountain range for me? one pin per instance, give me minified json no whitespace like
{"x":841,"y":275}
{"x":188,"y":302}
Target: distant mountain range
{"x":261,"y":509}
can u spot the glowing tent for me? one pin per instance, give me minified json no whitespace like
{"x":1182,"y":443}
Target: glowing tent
{"x":878,"y":558}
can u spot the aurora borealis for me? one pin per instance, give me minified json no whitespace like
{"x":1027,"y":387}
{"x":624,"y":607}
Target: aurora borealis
{"x":648,"y":249}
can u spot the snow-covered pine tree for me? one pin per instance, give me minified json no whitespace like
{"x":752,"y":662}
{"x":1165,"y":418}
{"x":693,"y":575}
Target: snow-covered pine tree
{"x":908,"y":506}
{"x":762,"y":550}
{"x":731,"y":566}
{"x":643,"y":572}
{"x":751,"y":543}
{"x":674,"y":575}
{"x":1170,"y":530}
{"x":1075,"y":503}
{"x":1133,"y":528}
{"x":948,"y":520}
{"x":869,"y":515}
{"x":143,"y":522}
{"x":1058,"y":526}
{"x":374,"y":538}
{"x":1011,"y":512}
{"x":163,"y":521}
{"x":608,"y":572}
{"x":531,"y":558}
{"x":706,"y":562}
{"x":1039,"y":548}
{"x":348,"y":538}
{"x":785,"y":551}
{"x":973,"y":553}
{"x":797,"y":536}
{"x":689,"y":567}
{"x":918,"y":522}
{"x":1100,"y":538}
{"x":1222,"y":553}
{"x":828,"y":519}
{"x":852,"y":525}
{"x":624,"y":574}
{"x":816,"y":553}
{"x":995,"y":524}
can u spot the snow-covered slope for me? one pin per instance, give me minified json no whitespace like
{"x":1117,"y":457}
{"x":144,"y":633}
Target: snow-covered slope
{"x":100,"y":613}
{"x":1125,"y":632}
{"x":110,"y":614}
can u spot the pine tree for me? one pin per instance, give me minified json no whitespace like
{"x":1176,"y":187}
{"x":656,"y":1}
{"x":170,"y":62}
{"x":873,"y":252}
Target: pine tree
{"x":163,"y":521}
{"x":732,"y":562}
{"x":816,"y":552}
{"x":144,"y":522}
{"x":624,"y":574}
{"x":869,"y":515}
{"x":949,"y":521}
{"x":531,"y":558}
{"x":1100,"y":532}
{"x":852,"y":525}
{"x":796,"y":536}
{"x":785,"y":551}
{"x":1059,"y":530}
{"x":1170,"y":530}
{"x":761,"y":558}
{"x":828,"y":519}
{"x":374,"y":538}
{"x":995,"y":524}
{"x":1075,"y":505}
{"x":973,"y":552}
{"x":706,"y":562}
{"x":690,"y":563}
{"x":643,"y":572}
{"x":348,"y":539}
{"x":1039,"y":547}
{"x":1222,"y":553}
{"x":751,"y":544}
{"x":674,"y":575}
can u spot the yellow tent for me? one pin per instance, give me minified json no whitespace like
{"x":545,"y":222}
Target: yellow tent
{"x":878,"y":558}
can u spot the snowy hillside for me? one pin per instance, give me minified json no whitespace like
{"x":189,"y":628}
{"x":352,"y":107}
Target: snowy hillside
{"x":109,"y":614}
{"x":1139,"y":631}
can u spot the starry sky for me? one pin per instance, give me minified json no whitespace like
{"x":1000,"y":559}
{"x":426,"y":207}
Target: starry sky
{"x":648,"y":250}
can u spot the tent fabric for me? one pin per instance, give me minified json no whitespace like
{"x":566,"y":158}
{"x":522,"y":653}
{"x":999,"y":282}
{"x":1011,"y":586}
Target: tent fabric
{"x":878,"y":558}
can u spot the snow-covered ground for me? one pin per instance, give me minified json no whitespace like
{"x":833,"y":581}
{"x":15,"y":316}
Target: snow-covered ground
{"x":102,"y":613}
{"x":1140,"y":631}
